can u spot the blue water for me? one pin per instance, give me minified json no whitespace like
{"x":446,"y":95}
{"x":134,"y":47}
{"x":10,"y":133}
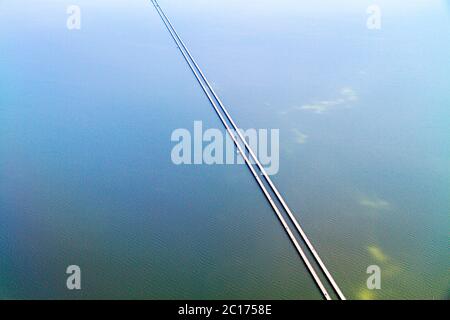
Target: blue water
{"x":86,"y":176}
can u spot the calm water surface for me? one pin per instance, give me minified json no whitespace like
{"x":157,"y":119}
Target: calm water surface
{"x":86,"y":176}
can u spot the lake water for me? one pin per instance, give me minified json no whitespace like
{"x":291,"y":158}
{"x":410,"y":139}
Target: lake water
{"x":86,"y":176}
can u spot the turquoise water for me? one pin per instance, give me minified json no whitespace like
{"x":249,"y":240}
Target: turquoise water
{"x":86,"y":176}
